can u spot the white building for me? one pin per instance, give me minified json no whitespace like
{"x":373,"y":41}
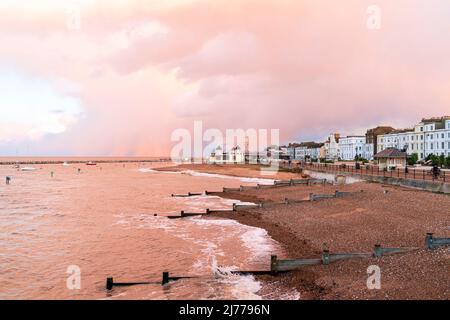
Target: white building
{"x":368,"y":151}
{"x":437,"y":136}
{"x":235,"y":155}
{"x":332,"y":147}
{"x":309,"y":151}
{"x":351,"y":146}
{"x":430,"y":136}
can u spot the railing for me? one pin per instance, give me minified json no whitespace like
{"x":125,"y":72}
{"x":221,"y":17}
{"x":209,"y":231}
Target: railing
{"x":374,"y":170}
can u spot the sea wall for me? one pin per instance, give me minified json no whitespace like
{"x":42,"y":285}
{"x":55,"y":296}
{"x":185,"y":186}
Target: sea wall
{"x":433,"y":186}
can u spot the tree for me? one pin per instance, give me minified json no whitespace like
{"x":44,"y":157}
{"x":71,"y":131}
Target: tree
{"x":412,"y":160}
{"x":441,"y":160}
{"x":447,"y":162}
{"x":433,"y":158}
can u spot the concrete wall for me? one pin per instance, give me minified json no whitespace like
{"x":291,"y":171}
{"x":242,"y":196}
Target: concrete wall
{"x":433,"y":186}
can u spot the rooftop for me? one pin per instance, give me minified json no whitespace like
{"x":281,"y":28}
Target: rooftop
{"x":435,"y":119}
{"x":390,"y":153}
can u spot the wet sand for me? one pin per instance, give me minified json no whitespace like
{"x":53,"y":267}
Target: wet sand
{"x":381,"y":214}
{"x":239,"y":170}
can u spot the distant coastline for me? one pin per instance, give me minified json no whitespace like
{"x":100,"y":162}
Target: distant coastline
{"x":60,"y":160}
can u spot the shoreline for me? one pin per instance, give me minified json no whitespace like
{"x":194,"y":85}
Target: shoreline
{"x":388,"y":215}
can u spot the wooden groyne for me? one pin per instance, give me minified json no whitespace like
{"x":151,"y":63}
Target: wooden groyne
{"x":277,"y":184}
{"x":262,"y":204}
{"x":278,"y":266}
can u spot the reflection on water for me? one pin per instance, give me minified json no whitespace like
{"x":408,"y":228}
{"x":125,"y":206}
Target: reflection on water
{"x":101,"y":220}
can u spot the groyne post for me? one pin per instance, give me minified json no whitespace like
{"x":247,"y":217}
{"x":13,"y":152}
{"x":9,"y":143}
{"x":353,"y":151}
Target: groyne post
{"x":165,"y":278}
{"x":273,"y":264}
{"x":429,"y":240}
{"x":377,"y":251}
{"x":109,"y":283}
{"x":326,"y":257}
{"x":8,"y":179}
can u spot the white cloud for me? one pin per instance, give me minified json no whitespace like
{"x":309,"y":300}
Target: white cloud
{"x":31,"y":107}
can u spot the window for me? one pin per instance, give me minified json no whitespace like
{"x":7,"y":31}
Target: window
{"x":443,"y":145}
{"x":442,"y":136}
{"x":431,"y":145}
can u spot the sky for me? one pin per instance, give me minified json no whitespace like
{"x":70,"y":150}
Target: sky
{"x":116,"y":77}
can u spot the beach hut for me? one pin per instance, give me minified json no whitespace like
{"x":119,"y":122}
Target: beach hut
{"x":391,"y":158}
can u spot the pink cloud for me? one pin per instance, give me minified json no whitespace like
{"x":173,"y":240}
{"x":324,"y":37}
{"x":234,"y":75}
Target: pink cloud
{"x":308,"y":67}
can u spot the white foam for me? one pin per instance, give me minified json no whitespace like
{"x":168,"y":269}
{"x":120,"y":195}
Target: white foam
{"x":254,"y":240}
{"x":258,"y":242}
{"x":243,"y":287}
{"x":146,"y":170}
{"x":28,"y":169}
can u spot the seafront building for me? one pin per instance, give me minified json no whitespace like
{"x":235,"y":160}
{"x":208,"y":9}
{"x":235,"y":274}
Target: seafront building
{"x":430,"y":136}
{"x":235,"y":155}
{"x":351,"y":147}
{"x":371,"y":145}
{"x":331,"y":146}
{"x":309,"y":150}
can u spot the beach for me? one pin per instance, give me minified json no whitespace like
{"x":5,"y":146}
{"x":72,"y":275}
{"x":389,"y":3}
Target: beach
{"x":102,"y":220}
{"x":369,"y":214}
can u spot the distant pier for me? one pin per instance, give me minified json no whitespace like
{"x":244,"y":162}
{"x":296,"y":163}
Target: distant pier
{"x":37,"y":162}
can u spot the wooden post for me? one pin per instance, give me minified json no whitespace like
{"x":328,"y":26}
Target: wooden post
{"x":207,"y":211}
{"x":377,"y":251}
{"x":234,"y":206}
{"x":109,"y":283}
{"x":326,"y":257}
{"x":165,"y":278}
{"x":429,"y":240}
{"x":273,"y":264}
{"x":182,"y":213}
